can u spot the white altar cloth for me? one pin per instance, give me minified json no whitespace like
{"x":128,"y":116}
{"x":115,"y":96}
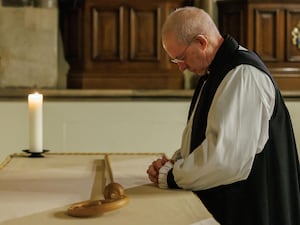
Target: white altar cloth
{"x":40,"y":190}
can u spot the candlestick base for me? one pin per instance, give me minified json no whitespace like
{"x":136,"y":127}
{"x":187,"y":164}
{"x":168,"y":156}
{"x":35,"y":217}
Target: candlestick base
{"x":35,"y":154}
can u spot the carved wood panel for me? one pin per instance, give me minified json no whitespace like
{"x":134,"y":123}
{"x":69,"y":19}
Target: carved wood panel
{"x":145,"y":34}
{"x":107,"y":34}
{"x":232,"y":22}
{"x":267,"y":34}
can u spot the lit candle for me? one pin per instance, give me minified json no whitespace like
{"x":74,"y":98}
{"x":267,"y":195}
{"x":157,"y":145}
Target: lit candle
{"x":35,"y":105}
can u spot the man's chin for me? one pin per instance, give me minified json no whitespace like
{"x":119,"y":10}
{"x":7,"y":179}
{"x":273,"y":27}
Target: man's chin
{"x":197,"y":73}
{"x":200,"y":74}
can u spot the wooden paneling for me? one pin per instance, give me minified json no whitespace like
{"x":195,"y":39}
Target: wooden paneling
{"x":107,"y":34}
{"x":268,"y":27}
{"x":232,"y":21}
{"x":145,"y":34}
{"x":267,"y":34}
{"x":120,"y":45}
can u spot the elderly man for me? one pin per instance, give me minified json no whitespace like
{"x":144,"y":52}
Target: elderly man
{"x":238,"y":151}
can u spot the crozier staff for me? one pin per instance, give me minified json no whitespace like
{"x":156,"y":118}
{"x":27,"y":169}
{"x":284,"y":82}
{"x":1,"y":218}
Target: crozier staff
{"x":238,"y":151}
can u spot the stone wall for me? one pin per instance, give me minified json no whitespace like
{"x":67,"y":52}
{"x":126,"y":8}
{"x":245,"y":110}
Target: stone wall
{"x":31,"y":53}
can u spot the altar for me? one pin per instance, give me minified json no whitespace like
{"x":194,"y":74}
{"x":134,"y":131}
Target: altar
{"x":40,"y":190}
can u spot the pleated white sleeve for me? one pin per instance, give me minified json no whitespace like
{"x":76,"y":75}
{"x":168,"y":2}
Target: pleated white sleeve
{"x":237,"y":129}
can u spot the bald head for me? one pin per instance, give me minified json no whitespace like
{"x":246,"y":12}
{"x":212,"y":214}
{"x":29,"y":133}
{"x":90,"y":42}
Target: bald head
{"x":185,"y":23}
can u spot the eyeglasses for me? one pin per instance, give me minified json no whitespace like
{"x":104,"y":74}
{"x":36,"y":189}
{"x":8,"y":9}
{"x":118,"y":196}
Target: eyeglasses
{"x":181,"y":59}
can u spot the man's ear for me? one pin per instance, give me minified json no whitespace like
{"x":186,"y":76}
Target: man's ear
{"x":202,"y":39}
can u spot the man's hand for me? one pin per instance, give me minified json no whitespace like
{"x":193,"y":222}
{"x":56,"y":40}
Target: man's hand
{"x":153,"y":169}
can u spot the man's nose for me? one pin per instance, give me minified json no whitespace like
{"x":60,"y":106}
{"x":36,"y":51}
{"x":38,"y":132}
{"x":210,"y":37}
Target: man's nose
{"x":182,"y":66}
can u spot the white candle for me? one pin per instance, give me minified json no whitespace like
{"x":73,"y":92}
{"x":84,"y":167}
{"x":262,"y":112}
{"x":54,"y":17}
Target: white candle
{"x":35,"y":106}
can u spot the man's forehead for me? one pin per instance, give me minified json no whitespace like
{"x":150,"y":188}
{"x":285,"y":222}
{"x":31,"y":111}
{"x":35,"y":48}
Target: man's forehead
{"x":171,"y":44}
{"x":170,"y":39}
